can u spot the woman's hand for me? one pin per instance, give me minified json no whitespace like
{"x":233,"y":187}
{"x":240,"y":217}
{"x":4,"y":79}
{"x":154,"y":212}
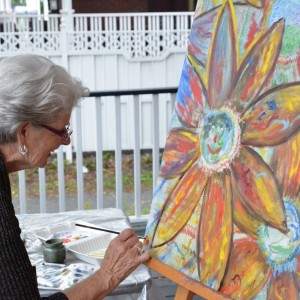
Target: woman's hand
{"x":122,"y":256}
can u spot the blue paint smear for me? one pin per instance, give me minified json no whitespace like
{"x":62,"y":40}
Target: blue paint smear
{"x":159,"y":187}
{"x":272,"y":105}
{"x":262,"y":174}
{"x":184,"y":90}
{"x":261,"y":115}
{"x":288,"y":9}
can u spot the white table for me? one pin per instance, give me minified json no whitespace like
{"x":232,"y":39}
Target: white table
{"x":133,"y":287}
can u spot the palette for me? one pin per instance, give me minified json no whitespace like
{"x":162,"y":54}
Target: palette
{"x":68,"y":232}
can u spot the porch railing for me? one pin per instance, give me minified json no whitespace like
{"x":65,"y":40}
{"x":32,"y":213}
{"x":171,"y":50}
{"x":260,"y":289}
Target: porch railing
{"x":136,"y":35}
{"x":98,"y":131}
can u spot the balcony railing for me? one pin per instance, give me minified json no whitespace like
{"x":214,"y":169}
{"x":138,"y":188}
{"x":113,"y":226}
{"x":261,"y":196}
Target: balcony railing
{"x":135,"y":96}
{"x":136,"y":36}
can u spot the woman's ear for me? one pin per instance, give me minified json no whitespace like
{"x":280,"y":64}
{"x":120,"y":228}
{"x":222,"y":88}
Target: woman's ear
{"x":22,"y":132}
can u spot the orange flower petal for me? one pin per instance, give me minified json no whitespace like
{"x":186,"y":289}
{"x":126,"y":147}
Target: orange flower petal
{"x":274,"y":118}
{"x":222,"y":57}
{"x":178,"y":208}
{"x":285,"y":162}
{"x":247,"y":270}
{"x":258,"y":188}
{"x":257,"y":66}
{"x":283,"y":286}
{"x":215,"y":232}
{"x":244,"y":219}
{"x":181,"y":150}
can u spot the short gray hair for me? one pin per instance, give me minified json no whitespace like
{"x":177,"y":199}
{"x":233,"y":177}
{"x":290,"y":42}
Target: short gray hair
{"x":34,"y":89}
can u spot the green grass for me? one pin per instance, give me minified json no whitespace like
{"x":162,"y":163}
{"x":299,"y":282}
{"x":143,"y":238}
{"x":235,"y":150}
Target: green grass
{"x":89,"y":161}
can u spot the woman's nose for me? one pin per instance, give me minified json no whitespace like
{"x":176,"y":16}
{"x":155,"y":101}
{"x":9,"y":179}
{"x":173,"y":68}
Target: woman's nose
{"x":66,"y":141}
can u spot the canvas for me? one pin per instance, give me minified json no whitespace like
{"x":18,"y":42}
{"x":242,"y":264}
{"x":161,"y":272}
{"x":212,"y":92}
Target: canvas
{"x":226,"y":208}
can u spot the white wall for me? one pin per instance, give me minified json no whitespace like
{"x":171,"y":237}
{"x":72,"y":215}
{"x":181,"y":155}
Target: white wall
{"x":114,"y":72}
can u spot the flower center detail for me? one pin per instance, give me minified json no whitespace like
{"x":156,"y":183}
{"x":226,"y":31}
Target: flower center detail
{"x":281,"y":249}
{"x":220,"y":139}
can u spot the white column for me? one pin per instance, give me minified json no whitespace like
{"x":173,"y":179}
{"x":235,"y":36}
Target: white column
{"x":5,"y":6}
{"x":66,"y":15}
{"x":66,"y":26}
{"x":66,"y":5}
{"x":46,"y":9}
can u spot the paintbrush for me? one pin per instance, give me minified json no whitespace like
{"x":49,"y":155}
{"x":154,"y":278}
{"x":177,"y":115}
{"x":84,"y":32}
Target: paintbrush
{"x":103,"y":229}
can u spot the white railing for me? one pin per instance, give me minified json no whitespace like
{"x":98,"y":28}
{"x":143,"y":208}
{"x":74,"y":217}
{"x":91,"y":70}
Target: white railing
{"x":136,"y":36}
{"x":100,"y":97}
{"x":97,"y":49}
{"x":12,"y":23}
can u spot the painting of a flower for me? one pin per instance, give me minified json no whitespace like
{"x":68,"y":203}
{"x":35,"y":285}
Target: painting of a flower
{"x":223,"y":113}
{"x":268,"y":263}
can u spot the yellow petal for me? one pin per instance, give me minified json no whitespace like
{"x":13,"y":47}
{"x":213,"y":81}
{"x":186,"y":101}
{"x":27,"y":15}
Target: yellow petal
{"x":285,"y":162}
{"x":258,"y":188}
{"x":274,"y":118}
{"x":244,"y":219}
{"x":178,"y":208}
{"x":215,"y":233}
{"x":257,"y":66}
{"x":247,"y":270}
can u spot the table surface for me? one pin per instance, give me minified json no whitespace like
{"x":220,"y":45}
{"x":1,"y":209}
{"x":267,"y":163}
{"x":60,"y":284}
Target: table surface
{"x":110,"y":218}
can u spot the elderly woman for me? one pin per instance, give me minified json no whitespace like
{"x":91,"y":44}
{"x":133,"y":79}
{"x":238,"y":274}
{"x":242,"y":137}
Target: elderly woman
{"x":36,"y":101}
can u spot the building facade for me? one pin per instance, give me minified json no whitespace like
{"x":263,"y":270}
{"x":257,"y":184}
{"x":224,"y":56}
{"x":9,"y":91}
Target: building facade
{"x":116,"y":6}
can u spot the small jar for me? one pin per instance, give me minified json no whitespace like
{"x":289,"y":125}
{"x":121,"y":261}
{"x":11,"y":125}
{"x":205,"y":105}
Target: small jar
{"x":54,"y":251}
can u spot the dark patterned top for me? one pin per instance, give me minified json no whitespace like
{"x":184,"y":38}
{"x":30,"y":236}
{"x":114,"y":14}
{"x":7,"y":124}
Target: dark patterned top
{"x":17,"y":276}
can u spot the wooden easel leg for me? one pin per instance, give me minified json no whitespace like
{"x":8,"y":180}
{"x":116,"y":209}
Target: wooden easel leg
{"x":183,"y":293}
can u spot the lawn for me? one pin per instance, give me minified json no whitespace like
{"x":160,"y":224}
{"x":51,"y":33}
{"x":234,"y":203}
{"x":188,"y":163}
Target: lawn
{"x":89,"y":162}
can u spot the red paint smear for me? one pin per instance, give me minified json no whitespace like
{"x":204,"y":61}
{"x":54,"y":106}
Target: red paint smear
{"x":253,"y":30}
{"x":195,"y":86}
{"x":218,"y":77}
{"x":180,"y":143}
{"x":194,"y":50}
{"x":186,"y":113}
{"x":247,"y":88}
{"x":216,"y":195}
{"x":190,"y":231}
{"x":298,"y":64}
{"x":213,"y":151}
{"x":248,"y":184}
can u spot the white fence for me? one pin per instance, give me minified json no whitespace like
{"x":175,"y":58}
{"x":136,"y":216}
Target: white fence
{"x":98,"y":133}
{"x":107,"y":52}
{"x":136,"y":36}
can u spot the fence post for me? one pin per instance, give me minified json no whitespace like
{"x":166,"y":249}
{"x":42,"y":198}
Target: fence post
{"x":66,"y":27}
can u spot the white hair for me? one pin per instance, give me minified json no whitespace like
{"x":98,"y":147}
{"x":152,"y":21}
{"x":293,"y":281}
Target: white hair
{"x":34,"y":89}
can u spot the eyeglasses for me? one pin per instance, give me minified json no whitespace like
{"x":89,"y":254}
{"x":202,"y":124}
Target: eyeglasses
{"x":65,"y":133}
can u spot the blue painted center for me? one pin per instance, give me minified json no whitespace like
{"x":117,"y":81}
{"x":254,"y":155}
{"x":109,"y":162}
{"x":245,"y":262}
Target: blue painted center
{"x":217,"y":137}
{"x":282,"y":249}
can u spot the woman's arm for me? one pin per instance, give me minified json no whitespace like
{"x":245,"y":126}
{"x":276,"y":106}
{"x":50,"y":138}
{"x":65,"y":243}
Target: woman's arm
{"x":120,"y":260}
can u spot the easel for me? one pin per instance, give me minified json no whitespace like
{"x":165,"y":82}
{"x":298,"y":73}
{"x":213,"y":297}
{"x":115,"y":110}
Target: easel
{"x":187,"y":287}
